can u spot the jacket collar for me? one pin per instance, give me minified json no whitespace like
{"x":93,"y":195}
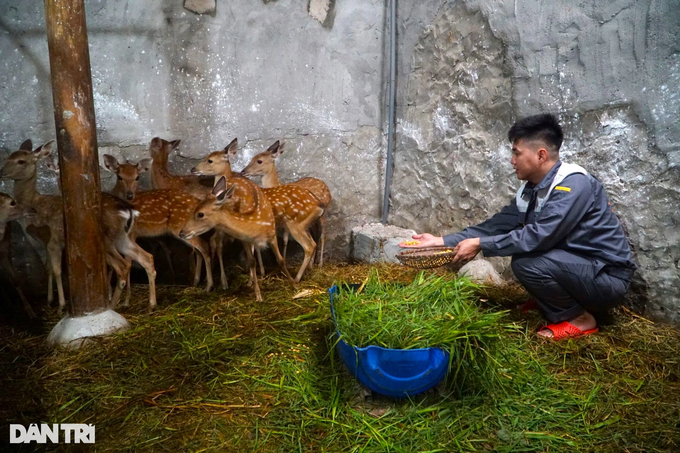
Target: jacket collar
{"x":547,"y":179}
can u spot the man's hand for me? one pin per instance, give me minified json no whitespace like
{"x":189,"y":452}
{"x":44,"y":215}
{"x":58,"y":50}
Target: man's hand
{"x":422,"y":240}
{"x":467,"y":250}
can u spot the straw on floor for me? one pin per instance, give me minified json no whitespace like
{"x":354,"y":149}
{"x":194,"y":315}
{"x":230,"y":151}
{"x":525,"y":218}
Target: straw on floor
{"x":221,"y":372}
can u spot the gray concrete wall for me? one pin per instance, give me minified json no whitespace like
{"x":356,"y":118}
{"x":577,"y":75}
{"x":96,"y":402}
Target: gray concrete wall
{"x":266,"y":70}
{"x":259,"y":71}
{"x":610,"y":70}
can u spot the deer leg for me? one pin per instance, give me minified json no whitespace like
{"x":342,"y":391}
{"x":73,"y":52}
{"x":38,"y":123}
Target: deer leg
{"x":203,"y":248}
{"x":310,"y":265}
{"x":197,"y":268}
{"x":322,"y":240}
{"x":279,"y":259}
{"x":55,"y":263}
{"x":259,"y":261}
{"x":286,"y":234}
{"x":128,"y":289}
{"x":301,"y":235}
{"x":116,"y":263}
{"x":252,"y":251}
{"x":122,"y":275}
{"x":109,"y":273}
{"x":220,"y":252}
{"x":253,"y":271}
{"x":115,"y":297}
{"x":217,"y":248}
{"x":127,"y":245}
{"x":117,"y":268}
{"x":133,"y":251}
{"x":309,"y":247}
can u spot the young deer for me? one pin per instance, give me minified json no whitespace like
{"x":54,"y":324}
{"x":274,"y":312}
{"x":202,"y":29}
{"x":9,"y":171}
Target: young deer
{"x":161,"y":178}
{"x":11,"y":210}
{"x":118,"y":222}
{"x":221,"y":210}
{"x":161,"y":211}
{"x":295,"y":208}
{"x":48,"y":224}
{"x":120,"y":249}
{"x":264,"y":164}
{"x":217,"y":164}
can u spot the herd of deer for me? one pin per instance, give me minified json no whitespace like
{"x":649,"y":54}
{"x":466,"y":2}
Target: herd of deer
{"x":180,"y":206}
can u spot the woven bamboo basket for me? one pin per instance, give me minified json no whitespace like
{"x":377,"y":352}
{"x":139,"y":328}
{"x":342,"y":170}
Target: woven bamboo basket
{"x":426,"y":257}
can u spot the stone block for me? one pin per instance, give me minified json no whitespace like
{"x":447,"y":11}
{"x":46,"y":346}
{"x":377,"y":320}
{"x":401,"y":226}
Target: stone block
{"x":481,"y":272}
{"x":375,"y":242}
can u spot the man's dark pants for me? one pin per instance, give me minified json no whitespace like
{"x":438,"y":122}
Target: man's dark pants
{"x":565,"y":285}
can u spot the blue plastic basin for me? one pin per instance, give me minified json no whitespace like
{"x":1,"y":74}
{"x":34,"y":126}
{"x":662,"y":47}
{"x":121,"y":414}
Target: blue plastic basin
{"x":391,"y":372}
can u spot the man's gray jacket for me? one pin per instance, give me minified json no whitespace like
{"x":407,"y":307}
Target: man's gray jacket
{"x":575,"y":217}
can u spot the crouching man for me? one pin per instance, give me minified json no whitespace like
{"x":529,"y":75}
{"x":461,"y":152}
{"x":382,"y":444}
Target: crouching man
{"x":568,"y":248}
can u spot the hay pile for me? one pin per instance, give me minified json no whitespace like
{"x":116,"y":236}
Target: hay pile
{"x":221,"y":372}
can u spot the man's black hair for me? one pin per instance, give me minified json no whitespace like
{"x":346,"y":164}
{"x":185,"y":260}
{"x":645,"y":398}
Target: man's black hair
{"x":542,"y":127}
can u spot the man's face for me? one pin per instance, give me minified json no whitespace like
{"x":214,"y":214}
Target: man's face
{"x":525,"y":158}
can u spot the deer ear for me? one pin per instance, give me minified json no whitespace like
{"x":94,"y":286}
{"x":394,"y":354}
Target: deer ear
{"x":174,"y":144}
{"x":278,"y":151}
{"x":231,"y":149}
{"x":272,"y":149}
{"x":225,"y":195}
{"x":144,"y":164}
{"x":220,"y":187}
{"x":44,"y":150}
{"x":27,"y":145}
{"x":111,"y":163}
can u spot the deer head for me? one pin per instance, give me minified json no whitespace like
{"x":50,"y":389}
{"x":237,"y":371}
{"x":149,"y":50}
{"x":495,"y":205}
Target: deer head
{"x":160,"y":149}
{"x":263,"y":163}
{"x":127,"y":175}
{"x":11,"y":210}
{"x":207,"y":214}
{"x":217,"y":163}
{"x":22,"y":164}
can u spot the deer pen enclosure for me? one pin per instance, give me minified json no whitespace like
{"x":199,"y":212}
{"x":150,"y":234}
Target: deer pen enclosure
{"x":182,"y":182}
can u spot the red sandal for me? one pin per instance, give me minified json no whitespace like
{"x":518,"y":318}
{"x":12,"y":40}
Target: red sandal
{"x":566,"y":329}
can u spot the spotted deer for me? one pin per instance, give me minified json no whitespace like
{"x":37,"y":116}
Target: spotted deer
{"x":120,"y":249}
{"x":255,"y":228}
{"x":11,"y":210}
{"x":161,"y":178}
{"x":264,"y":165}
{"x":48,"y":223}
{"x":161,"y":211}
{"x":118,"y":225}
{"x":295,"y":208}
{"x":206,"y":167}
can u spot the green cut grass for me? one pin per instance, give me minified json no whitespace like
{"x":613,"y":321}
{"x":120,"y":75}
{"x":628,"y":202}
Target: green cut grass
{"x":431,"y":311}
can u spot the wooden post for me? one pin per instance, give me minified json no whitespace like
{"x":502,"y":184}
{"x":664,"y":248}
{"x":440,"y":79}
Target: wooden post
{"x":78,"y":157}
